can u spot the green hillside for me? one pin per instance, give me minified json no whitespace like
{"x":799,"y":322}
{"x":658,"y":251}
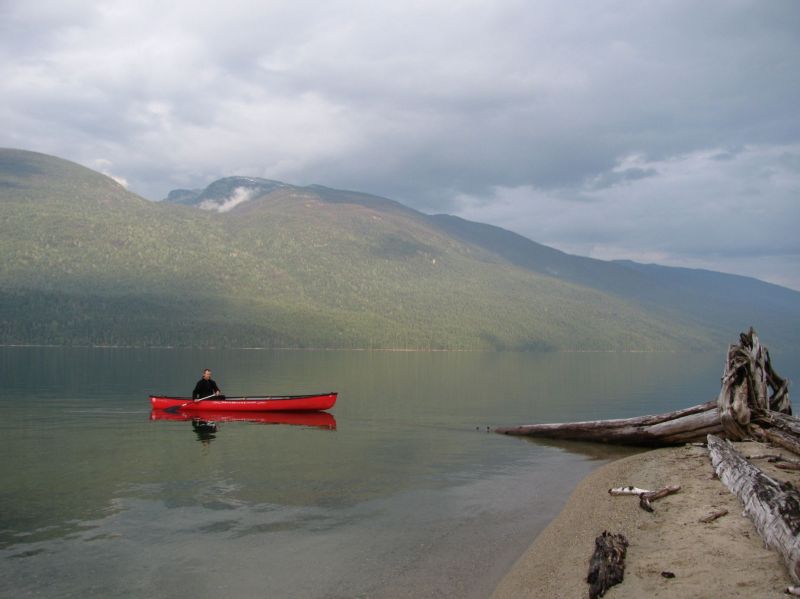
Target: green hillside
{"x":87,"y":262}
{"x":717,"y":302}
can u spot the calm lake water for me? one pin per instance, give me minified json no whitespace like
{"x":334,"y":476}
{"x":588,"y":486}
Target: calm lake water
{"x":403,"y":493}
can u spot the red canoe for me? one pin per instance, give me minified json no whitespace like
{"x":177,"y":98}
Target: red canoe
{"x":272,"y":403}
{"x":313,"y":419}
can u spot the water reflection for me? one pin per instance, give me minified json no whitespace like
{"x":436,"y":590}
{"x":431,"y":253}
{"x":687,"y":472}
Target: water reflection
{"x":205,"y":430}
{"x":588,"y":449}
{"x":89,"y":478}
{"x":321,"y":420}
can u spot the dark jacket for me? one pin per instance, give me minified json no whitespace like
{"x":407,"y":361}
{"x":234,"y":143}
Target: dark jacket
{"x":204,"y":388}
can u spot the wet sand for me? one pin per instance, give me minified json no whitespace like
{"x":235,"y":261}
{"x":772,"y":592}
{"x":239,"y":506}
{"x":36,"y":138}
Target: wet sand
{"x":724,"y":558}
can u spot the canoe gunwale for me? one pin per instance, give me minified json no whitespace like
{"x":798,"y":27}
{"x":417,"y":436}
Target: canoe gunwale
{"x":282,"y":403}
{"x":249,"y":397}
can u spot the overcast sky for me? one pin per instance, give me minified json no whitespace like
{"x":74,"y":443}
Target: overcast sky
{"x":659,"y":131}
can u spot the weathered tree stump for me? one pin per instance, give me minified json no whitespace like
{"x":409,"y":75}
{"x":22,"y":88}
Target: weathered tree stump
{"x":746,"y":382}
{"x":774,"y":507}
{"x":607,"y":565}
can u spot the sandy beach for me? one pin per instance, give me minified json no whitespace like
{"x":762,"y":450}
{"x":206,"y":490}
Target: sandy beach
{"x":724,"y":558}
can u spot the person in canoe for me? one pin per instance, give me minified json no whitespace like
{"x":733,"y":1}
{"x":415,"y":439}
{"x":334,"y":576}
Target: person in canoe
{"x":206,"y":386}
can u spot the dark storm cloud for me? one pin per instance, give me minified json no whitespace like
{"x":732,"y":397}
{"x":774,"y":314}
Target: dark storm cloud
{"x":537,"y":116}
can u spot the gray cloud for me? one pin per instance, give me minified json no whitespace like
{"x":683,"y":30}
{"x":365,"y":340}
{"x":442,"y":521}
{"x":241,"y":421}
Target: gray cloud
{"x":739,"y":215}
{"x":489,"y":109}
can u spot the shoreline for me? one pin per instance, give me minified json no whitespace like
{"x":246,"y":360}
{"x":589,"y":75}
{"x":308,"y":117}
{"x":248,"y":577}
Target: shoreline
{"x":361,"y":349}
{"x":724,"y":558}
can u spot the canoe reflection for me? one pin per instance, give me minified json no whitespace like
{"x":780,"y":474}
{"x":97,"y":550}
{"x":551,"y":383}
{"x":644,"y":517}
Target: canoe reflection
{"x":321,"y":420}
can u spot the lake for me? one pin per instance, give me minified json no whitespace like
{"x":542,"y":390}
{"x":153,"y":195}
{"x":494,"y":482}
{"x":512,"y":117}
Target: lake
{"x":401,"y":493}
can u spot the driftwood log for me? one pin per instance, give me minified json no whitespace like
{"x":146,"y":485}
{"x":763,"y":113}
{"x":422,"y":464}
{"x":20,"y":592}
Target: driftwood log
{"x":779,"y":461}
{"x":773,"y":506}
{"x":672,"y":428}
{"x":778,"y":429}
{"x":607,"y":565}
{"x":752,"y":403}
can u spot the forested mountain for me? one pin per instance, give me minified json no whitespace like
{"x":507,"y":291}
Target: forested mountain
{"x":250,"y":262}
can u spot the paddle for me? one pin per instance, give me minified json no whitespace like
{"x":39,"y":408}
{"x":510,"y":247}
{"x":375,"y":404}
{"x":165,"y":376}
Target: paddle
{"x":174,"y":409}
{"x":200,"y":399}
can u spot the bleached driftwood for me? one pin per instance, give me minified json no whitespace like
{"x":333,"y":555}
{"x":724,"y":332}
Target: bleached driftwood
{"x":753,"y":402}
{"x":645,"y":496}
{"x":627,"y":491}
{"x":746,"y":382}
{"x":607,"y":565}
{"x":774,"y":507}
{"x":672,"y":428}
{"x":785,"y":422}
{"x":773,"y":430}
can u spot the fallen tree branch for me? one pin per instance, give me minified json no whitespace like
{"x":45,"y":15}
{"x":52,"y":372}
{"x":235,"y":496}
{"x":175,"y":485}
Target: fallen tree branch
{"x":770,"y":457}
{"x":773,"y":507}
{"x":713,"y":516}
{"x":607,"y":565}
{"x":645,"y":496}
{"x":778,"y":460}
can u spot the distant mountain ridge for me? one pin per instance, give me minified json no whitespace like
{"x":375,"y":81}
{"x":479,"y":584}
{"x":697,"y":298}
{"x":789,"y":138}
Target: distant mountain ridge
{"x":716,"y":299}
{"x":228,"y":190}
{"x":254,"y":262}
{"x":224,"y":194}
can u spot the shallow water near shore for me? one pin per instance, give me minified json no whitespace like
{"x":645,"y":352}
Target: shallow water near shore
{"x":403,"y":493}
